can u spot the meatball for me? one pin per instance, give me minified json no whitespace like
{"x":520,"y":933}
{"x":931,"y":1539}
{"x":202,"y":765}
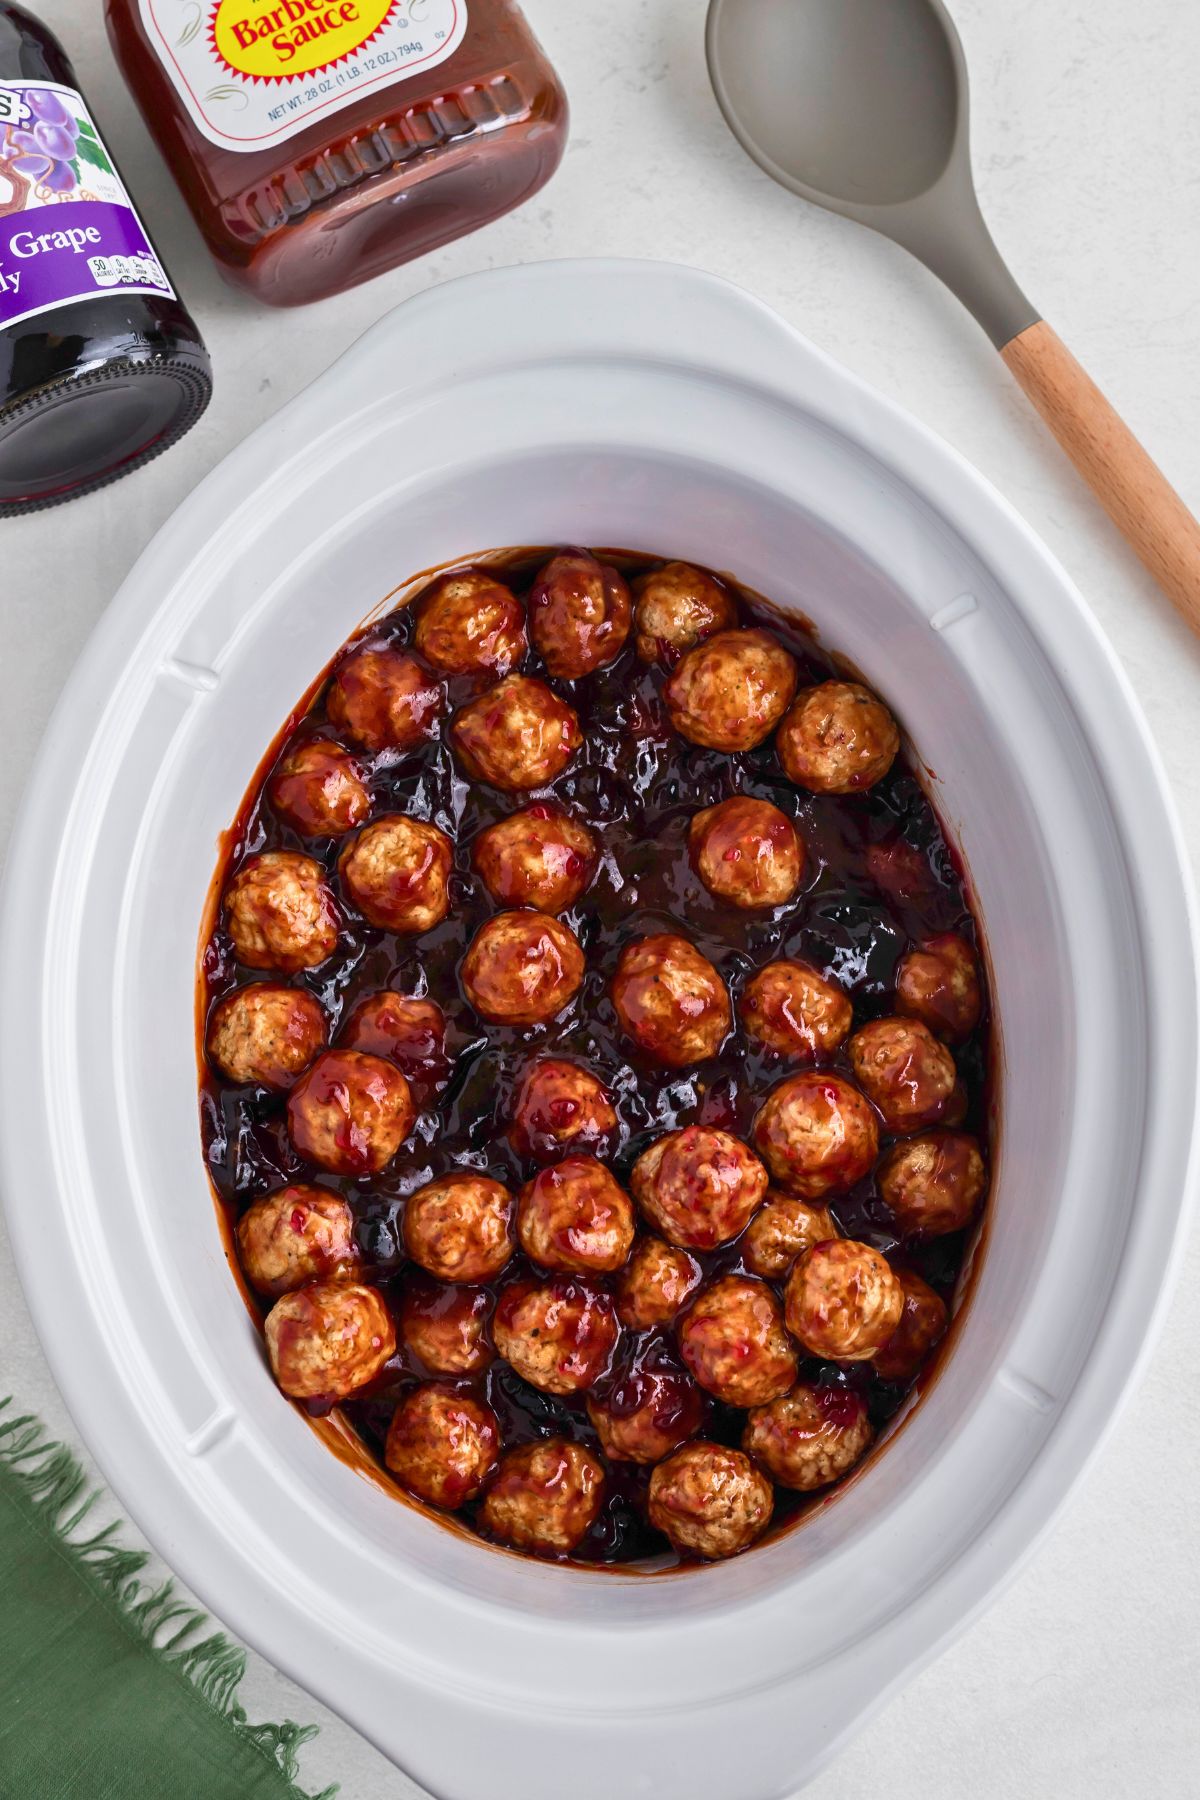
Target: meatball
{"x":656,"y":1282}
{"x":699,"y":1187}
{"x":730,"y":692}
{"x":843,"y":1302}
{"x":518,"y":735}
{"x":411,"y":1033}
{"x":710,"y":1501}
{"x":329,"y":1339}
{"x":579,"y":614}
{"x":938,"y":983}
{"x":808,"y":1438}
{"x":816,"y":1133}
{"x":732,"y":1339}
{"x":677,"y":606}
{"x":445,"y":1326}
{"x":933,"y":1183}
{"x":670,"y":1000}
{"x":781,"y":1231}
{"x":560,"y":1107}
{"x":294,"y":1236}
{"x":837,"y":739}
{"x":922,"y":1325}
{"x":442,"y":1445}
{"x":539,"y":857}
{"x":383,"y":699}
{"x":318,"y":789}
{"x":559,"y":1336}
{"x":459,"y":1227}
{"x":647,"y":1415}
{"x":350,"y":1113}
{"x":900,"y":1065}
{"x":397,"y":873}
{"x":266,"y":1035}
{"x":574,"y":1217}
{"x":747,"y":852}
{"x":468,"y":623}
{"x":545,"y":1497}
{"x":280,"y":913}
{"x":522,"y":968}
{"x":789,"y":1008}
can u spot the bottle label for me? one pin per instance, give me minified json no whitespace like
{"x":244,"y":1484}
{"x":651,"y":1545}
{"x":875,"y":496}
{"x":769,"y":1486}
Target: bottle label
{"x":252,"y":73}
{"x":67,"y":228}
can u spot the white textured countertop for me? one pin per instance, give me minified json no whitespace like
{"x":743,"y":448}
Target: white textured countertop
{"x":1081,"y":1683}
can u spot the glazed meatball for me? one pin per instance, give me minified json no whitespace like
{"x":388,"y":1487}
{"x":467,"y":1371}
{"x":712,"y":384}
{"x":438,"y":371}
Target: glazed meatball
{"x":266,"y":1035}
{"x":280,"y":913}
{"x":539,"y":857}
{"x":938,"y":983}
{"x":445,"y":1326}
{"x":397,"y":873}
{"x":789,"y":1008}
{"x":469,"y":623}
{"x":677,"y":606}
{"x":294,"y":1236}
{"x":730,"y":692}
{"x":747,"y":852}
{"x":933,"y":1183}
{"x":574,"y":1218}
{"x":329,"y":1339}
{"x":409,"y":1032}
{"x":383,"y":699}
{"x":781,"y":1231}
{"x":579,"y":614}
{"x":560,"y":1107}
{"x":459,"y":1227}
{"x":647,"y":1414}
{"x":670,"y":1000}
{"x":922,"y":1325}
{"x":559,"y":1336}
{"x":545,"y":1497}
{"x":843,"y":1302}
{"x":808,"y":1438}
{"x":522,"y":968}
{"x":900,"y":1065}
{"x":655,"y":1284}
{"x":518,"y":735}
{"x":350,"y":1113}
{"x":732,"y":1339}
{"x":710,"y":1501}
{"x":318,"y":790}
{"x":816,"y":1133}
{"x":699,"y":1187}
{"x":442,"y":1445}
{"x":837,"y":739}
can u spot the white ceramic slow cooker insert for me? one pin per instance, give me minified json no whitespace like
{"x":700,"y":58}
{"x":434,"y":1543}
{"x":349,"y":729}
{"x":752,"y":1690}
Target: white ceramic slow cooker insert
{"x":653,"y":409}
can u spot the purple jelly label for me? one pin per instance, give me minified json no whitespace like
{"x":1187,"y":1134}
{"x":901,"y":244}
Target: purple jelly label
{"x":67,"y":229}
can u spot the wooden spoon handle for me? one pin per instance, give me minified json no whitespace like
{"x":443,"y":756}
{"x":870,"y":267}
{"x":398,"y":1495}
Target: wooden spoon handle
{"x":1131,"y":487}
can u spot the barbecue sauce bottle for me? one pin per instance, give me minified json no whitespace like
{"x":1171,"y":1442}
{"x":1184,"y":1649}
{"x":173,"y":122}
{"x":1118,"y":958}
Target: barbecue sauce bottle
{"x":100,"y":365}
{"x":320,"y":142}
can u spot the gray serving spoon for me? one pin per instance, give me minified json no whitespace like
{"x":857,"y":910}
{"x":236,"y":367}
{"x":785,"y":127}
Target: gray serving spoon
{"x":861,"y":107}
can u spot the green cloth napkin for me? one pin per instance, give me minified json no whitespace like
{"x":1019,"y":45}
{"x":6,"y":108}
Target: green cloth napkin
{"x":110,"y":1690}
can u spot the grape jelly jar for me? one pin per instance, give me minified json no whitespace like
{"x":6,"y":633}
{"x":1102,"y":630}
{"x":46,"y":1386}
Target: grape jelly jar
{"x":100,"y":365}
{"x":321,"y":142}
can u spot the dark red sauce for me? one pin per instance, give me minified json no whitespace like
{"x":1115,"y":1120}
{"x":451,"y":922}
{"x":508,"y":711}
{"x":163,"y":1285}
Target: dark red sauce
{"x":879,"y":876}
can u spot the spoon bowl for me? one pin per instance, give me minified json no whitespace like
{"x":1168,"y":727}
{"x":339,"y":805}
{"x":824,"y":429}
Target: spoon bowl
{"x":850,"y":103}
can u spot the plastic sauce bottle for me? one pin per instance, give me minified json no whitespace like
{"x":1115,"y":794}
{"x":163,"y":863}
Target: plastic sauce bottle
{"x":320,"y":142}
{"x":100,"y":365}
